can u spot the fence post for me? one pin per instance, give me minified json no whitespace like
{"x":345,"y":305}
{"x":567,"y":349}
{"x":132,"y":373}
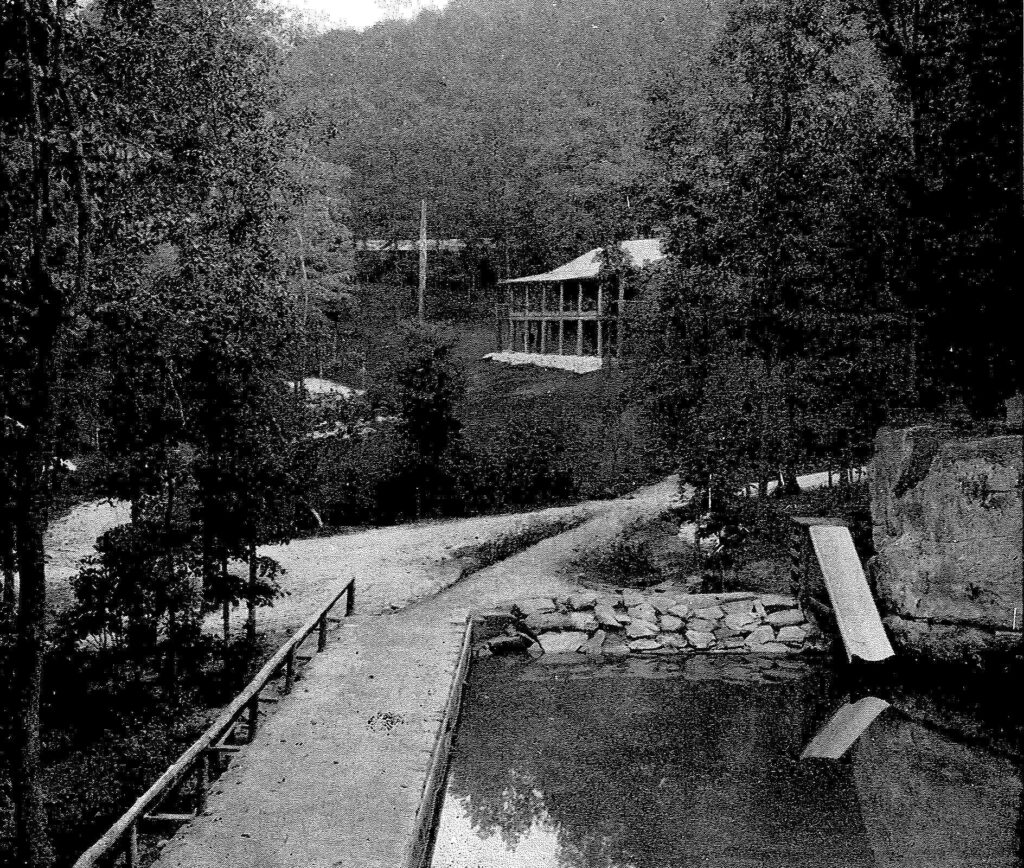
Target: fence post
{"x":131,"y":850}
{"x":321,"y":639}
{"x":202,"y":780}
{"x":289,"y":670}
{"x":254,"y":716}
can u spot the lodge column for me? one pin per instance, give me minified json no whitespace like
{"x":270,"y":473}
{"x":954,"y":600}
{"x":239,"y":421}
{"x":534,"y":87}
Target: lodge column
{"x":526,"y":321}
{"x":600,"y":298}
{"x":543,"y":318}
{"x":561,"y":319}
{"x":511,"y":322}
{"x":579,"y":320}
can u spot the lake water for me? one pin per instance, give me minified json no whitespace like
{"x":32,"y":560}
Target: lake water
{"x":696,"y":762}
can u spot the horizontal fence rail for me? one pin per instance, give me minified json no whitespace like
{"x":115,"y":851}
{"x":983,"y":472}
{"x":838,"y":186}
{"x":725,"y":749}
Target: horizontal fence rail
{"x":122,"y":837}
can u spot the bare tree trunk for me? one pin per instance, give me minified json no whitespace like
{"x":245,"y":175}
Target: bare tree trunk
{"x":171,"y":662}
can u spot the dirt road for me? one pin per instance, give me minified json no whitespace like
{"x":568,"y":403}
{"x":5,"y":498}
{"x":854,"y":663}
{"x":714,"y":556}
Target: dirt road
{"x":393,"y":566}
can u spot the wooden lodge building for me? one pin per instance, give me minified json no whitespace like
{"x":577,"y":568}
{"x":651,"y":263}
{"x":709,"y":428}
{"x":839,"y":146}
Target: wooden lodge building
{"x":567,"y":311}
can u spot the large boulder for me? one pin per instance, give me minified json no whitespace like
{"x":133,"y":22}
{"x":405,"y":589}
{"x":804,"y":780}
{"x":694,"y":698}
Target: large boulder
{"x":946,"y":520}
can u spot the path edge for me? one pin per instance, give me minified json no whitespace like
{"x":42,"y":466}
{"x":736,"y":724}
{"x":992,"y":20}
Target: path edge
{"x":418,"y":851}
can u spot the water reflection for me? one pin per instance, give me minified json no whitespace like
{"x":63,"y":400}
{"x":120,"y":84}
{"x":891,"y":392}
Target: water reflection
{"x":928,"y":800}
{"x":844,"y":728}
{"x":668,"y":764}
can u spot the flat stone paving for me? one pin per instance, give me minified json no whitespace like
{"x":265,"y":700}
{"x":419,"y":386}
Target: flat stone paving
{"x":335,"y":773}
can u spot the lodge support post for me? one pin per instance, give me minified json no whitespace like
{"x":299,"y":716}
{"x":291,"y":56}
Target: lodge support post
{"x":600,"y":303}
{"x":350,"y":600}
{"x":561,"y":319}
{"x":526,"y":322}
{"x":543,"y":318}
{"x":579,"y":318}
{"x":321,"y":638}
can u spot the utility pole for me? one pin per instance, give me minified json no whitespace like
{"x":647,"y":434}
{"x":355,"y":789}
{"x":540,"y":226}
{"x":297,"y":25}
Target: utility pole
{"x":300,"y":384}
{"x":423,"y":260}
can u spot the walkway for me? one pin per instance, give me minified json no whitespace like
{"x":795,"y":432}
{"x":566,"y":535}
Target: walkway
{"x":335,"y":774}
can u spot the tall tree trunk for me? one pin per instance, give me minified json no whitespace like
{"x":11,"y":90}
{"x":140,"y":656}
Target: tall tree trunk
{"x":171,"y":661}
{"x":33,"y":841}
{"x":45,"y":97}
{"x":8,"y":565}
{"x":225,"y":615}
{"x":250,"y":603}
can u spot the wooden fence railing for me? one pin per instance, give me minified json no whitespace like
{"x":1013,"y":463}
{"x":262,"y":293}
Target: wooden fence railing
{"x":418,"y":851}
{"x":121,"y":839}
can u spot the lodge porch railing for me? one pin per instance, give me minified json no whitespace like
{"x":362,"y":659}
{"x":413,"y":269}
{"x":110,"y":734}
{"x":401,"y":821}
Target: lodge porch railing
{"x":206,"y":759}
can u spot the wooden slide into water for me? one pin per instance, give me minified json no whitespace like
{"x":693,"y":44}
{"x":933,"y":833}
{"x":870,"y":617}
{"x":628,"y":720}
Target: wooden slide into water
{"x":856,"y":614}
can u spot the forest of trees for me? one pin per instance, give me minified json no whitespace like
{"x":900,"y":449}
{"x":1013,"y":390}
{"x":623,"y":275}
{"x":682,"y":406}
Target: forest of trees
{"x":543,"y":127}
{"x":839,"y":183}
{"x":521,"y":121}
{"x":153,"y":309}
{"x":181,"y":184}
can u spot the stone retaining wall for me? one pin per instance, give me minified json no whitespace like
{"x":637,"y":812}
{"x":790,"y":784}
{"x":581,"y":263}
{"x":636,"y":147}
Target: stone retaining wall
{"x":664,"y":619}
{"x":946,"y":520}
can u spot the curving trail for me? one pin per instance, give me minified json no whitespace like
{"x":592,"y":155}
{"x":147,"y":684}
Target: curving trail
{"x":393,"y":566}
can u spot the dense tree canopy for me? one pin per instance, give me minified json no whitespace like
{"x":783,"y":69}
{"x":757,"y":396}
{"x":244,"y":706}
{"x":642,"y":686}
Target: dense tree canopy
{"x":518,"y":120}
{"x":958,"y":69}
{"x":775,"y":337}
{"x":146,"y":314}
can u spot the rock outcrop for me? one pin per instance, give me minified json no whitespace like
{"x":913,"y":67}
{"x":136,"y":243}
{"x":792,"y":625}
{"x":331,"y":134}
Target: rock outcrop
{"x":947,"y":532}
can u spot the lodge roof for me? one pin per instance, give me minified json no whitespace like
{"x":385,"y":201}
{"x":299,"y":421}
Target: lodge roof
{"x":640,"y":252}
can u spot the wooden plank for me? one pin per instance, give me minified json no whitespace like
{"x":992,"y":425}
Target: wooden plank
{"x":169,"y":818}
{"x":856,"y":614}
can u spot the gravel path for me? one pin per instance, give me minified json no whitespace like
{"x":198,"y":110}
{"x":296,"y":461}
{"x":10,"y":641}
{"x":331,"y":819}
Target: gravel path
{"x":393,"y":566}
{"x":396,"y":566}
{"x":71,"y":538}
